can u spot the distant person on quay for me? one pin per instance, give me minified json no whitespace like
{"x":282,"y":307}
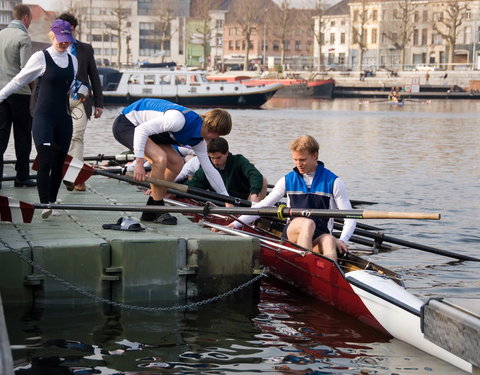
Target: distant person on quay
{"x":15,"y":50}
{"x":310,"y":185}
{"x":241,"y":177}
{"x":52,"y":124}
{"x":149,"y":127}
{"x":87,"y":87}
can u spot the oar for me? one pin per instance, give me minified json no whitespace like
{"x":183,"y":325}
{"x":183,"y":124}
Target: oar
{"x":380,"y":237}
{"x":13,"y":178}
{"x":197,"y":191}
{"x":99,"y":157}
{"x":263,"y":211}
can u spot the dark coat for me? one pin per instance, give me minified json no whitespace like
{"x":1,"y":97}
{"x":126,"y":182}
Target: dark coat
{"x":88,"y":73}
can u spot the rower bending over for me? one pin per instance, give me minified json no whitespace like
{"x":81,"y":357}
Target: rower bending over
{"x":149,"y":127}
{"x":310,"y":185}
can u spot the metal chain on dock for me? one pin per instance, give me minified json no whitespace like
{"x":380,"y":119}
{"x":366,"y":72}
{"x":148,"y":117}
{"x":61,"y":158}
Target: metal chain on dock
{"x":127,"y":306}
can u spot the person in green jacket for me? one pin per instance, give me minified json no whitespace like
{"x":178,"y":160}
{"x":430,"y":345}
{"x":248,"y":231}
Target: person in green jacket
{"x":240,"y":176}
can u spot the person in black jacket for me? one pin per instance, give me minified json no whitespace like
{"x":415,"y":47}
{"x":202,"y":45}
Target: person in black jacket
{"x":87,"y":93}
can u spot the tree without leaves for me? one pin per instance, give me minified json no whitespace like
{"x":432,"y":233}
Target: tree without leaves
{"x":162,"y":33}
{"x":249,"y":14}
{"x":318,"y":29}
{"x":359,"y":32}
{"x":118,"y":26}
{"x":203,"y":28}
{"x":448,"y":26}
{"x":399,"y":31}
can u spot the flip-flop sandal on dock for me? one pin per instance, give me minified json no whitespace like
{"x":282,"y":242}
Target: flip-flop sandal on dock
{"x":166,"y":219}
{"x":125,"y":223}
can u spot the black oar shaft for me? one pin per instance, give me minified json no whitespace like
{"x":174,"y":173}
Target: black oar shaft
{"x":383,"y":238}
{"x":99,"y":157}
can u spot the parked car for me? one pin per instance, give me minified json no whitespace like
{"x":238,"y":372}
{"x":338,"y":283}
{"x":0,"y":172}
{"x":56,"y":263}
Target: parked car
{"x":425,"y":68}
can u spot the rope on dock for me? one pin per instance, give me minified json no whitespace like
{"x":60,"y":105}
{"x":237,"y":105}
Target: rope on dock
{"x":127,"y":306}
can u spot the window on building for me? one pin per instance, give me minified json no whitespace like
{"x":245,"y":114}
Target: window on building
{"x":331,"y":58}
{"x":298,"y":45}
{"x":230,"y":45}
{"x":276,"y":45}
{"x":287,"y":45}
{"x":436,"y":39}
{"x":308,"y":46}
{"x":219,"y":24}
{"x":298,"y":31}
{"x":424,"y":37}
{"x":415,"y":37}
{"x":425,"y":16}
{"x":356,"y":15}
{"x":416,"y":16}
{"x":342,"y":38}
{"x":332,"y":24}
{"x":438,"y":16}
{"x":143,"y":7}
{"x":237,"y":45}
{"x":96,"y":38}
{"x":375,"y":15}
{"x":341,"y":58}
{"x":332,"y":38}
{"x":374,"y":36}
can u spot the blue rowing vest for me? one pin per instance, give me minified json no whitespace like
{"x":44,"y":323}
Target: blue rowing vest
{"x":188,"y":135}
{"x":318,"y":196}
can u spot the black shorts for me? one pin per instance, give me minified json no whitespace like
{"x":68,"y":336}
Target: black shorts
{"x":318,"y":231}
{"x":124,"y":130}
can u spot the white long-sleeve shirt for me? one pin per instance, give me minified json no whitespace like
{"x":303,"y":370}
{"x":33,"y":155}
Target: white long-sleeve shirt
{"x":35,"y":68}
{"x":149,"y":122}
{"x":340,"y":201}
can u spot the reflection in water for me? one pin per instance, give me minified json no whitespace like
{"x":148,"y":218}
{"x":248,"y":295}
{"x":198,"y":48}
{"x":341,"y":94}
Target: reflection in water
{"x":283,"y":332}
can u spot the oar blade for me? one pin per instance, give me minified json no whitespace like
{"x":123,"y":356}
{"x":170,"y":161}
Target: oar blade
{"x":74,"y":170}
{"x":15,"y":211}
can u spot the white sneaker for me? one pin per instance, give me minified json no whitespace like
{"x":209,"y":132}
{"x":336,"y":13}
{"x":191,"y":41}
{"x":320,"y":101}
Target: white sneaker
{"x":46,"y":213}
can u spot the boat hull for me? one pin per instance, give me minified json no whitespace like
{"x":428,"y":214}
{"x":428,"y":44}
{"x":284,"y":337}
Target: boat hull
{"x":297,"y":88}
{"x":188,"y":88}
{"x":247,"y":100}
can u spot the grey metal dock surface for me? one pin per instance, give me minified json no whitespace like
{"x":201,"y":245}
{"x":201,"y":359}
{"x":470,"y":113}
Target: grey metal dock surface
{"x":161,"y":263}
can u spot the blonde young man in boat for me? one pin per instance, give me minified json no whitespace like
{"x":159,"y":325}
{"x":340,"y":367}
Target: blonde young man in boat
{"x":310,"y":185}
{"x":149,"y":127}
